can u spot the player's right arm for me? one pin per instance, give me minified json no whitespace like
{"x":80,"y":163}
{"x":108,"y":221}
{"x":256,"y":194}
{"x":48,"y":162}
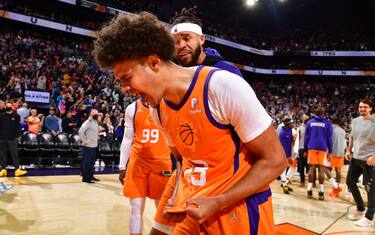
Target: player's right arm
{"x":127,"y":140}
{"x":348,"y":154}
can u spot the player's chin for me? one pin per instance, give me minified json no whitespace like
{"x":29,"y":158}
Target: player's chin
{"x":185,"y":60}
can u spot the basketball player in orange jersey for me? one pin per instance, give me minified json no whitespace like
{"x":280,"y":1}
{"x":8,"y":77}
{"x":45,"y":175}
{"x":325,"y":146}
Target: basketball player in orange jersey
{"x":230,"y":151}
{"x":144,"y":162}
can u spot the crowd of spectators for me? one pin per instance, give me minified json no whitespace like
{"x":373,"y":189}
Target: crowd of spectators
{"x":280,"y":39}
{"x":296,"y":98}
{"x":62,"y":67}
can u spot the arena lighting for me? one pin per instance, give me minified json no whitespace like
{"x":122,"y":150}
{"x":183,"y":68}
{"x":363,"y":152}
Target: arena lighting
{"x":282,"y":0}
{"x":251,"y":3}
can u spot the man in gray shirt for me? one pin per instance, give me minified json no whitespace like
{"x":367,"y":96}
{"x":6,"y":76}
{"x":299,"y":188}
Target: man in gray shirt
{"x":337,"y":158}
{"x":23,"y":112}
{"x":89,"y":134}
{"x":362,"y":141}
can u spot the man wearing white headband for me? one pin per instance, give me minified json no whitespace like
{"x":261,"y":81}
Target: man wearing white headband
{"x":187,"y":30}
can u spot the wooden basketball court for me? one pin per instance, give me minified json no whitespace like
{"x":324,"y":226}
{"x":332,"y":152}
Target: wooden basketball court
{"x":64,"y":205}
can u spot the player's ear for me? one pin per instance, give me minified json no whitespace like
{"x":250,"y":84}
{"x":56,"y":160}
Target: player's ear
{"x":202,"y":39}
{"x":154,"y":62}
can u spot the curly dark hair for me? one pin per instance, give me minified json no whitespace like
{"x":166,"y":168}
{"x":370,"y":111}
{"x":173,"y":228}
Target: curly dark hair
{"x":187,"y":16}
{"x":132,"y":36}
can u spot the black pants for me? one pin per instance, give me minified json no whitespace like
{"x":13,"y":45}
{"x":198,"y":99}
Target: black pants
{"x":88,"y":161}
{"x":12,"y":147}
{"x":356,"y":168}
{"x":302,"y":165}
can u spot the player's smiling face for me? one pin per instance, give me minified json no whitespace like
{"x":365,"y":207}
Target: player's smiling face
{"x":138,"y":78}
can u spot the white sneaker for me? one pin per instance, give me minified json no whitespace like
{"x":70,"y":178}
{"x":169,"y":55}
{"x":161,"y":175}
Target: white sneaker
{"x":97,"y":163}
{"x":356,"y":215}
{"x":102,"y":164}
{"x":364,"y":222}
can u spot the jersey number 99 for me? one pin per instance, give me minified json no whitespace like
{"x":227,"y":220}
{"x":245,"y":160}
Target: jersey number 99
{"x":151,"y":136}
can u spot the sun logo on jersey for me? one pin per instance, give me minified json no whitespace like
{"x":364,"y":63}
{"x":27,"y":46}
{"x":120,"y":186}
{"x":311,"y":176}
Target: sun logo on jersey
{"x":187,"y":135}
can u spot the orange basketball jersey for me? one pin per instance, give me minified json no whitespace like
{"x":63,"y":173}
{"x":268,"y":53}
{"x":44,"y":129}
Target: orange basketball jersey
{"x":149,"y":148}
{"x":213,"y":156}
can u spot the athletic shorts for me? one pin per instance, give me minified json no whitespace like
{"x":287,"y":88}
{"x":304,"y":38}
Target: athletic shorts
{"x":316,"y":157}
{"x":251,"y":216}
{"x":141,"y":182}
{"x":337,"y":162}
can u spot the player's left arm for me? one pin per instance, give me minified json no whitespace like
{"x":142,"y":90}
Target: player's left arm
{"x":295,"y":143}
{"x":253,"y":126}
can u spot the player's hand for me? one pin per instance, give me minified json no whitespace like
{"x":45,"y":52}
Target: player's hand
{"x":371,"y":161}
{"x":202,"y":208}
{"x":329,"y":157}
{"x":121,"y":176}
{"x":348,"y":156}
{"x":305,"y":154}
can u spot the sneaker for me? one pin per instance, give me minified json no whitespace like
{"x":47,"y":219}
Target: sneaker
{"x":321,"y":196}
{"x":335,"y":192}
{"x":364,"y":222}
{"x":20,"y":172}
{"x":102,"y":164}
{"x":360,"y":185}
{"x":95,"y":179}
{"x":4,"y":187}
{"x":356,"y":215}
{"x":286,"y":189}
{"x":309,"y":194}
{"x":3,"y":173}
{"x":348,"y":191}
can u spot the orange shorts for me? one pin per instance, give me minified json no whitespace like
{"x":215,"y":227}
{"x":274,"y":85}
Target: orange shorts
{"x":251,"y":216}
{"x":141,"y":182}
{"x":316,"y":157}
{"x":168,"y":192}
{"x":337,"y":162}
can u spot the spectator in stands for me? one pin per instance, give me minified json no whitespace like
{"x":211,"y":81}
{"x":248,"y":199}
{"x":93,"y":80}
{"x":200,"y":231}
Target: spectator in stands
{"x":68,"y":123}
{"x":109,"y":128}
{"x":42,"y":82}
{"x":88,"y":102}
{"x":119,"y":132}
{"x":89,"y":133}
{"x":52,"y":122}
{"x":2,"y":106}
{"x":35,"y":122}
{"x":23,"y":112}
{"x":9,"y":130}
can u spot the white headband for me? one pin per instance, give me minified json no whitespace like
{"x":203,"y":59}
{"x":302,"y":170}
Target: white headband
{"x":186,"y":27}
